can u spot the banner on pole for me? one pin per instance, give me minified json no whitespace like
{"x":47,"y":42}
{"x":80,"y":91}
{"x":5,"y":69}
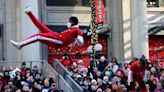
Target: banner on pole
{"x":100,"y":11}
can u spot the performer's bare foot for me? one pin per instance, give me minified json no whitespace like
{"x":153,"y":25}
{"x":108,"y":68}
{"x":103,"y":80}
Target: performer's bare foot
{"x":27,"y":8}
{"x":16,"y":44}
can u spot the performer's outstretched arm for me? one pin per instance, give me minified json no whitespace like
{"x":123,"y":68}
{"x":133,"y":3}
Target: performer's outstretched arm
{"x":43,"y":28}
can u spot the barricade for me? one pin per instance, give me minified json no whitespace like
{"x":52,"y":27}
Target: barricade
{"x":67,"y":76}
{"x":46,"y":70}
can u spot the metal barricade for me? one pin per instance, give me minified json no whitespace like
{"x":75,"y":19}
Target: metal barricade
{"x":72,"y":83}
{"x":60,"y":68}
{"x":64,"y":85}
{"x":67,"y":76}
{"x":61,"y":83}
{"x":46,"y":70}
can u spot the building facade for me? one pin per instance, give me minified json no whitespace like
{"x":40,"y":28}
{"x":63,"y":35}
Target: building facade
{"x":127,"y":18}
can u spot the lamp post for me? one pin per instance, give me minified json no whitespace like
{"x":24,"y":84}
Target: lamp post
{"x":94,"y":35}
{"x":97,"y":19}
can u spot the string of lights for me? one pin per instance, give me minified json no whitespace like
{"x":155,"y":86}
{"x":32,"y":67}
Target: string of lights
{"x":94,"y":35}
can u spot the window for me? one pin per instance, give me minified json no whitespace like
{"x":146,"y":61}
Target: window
{"x":67,"y":3}
{"x":153,"y":3}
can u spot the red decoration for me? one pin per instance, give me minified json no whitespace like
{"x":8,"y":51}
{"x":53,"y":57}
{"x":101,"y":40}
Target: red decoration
{"x":156,"y":42}
{"x":100,"y":11}
{"x":54,"y":53}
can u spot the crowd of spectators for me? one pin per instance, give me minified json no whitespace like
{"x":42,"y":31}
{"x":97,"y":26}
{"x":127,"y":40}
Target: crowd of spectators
{"x":111,"y":76}
{"x":107,"y":76}
{"x":24,"y":79}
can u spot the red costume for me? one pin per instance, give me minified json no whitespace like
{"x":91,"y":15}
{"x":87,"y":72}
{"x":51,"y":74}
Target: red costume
{"x":72,"y":36}
{"x":136,"y":74}
{"x":66,"y":61}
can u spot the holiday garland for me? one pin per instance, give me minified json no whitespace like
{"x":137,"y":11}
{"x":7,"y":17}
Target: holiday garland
{"x":94,"y":35}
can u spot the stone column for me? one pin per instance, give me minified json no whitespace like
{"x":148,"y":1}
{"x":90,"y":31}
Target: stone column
{"x":139,"y":28}
{"x":2,"y":52}
{"x":9,"y":29}
{"x":117,"y":29}
{"x":25,"y":29}
{"x":127,"y":42}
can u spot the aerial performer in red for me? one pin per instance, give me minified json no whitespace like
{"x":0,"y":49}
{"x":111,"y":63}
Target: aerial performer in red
{"x":137,"y":74}
{"x":70,"y":37}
